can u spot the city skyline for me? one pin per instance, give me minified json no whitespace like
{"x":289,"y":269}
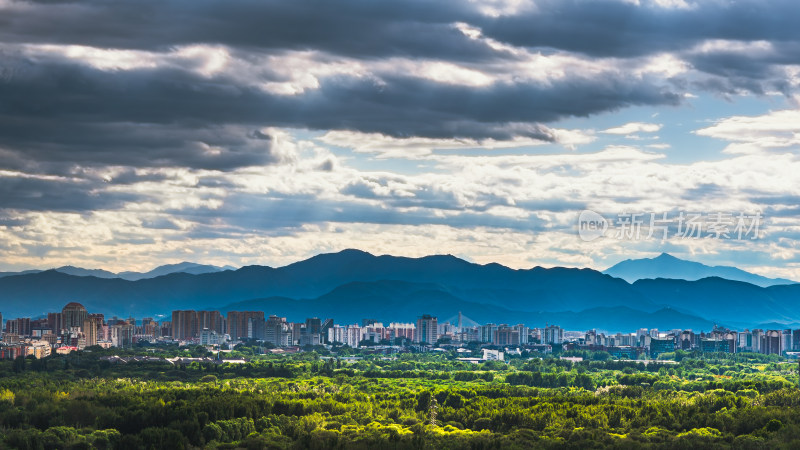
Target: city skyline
{"x":74,"y":328}
{"x":449,"y":128}
{"x":346,"y":286}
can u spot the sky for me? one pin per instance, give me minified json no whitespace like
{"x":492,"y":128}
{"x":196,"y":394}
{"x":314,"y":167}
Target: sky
{"x":134,"y":134}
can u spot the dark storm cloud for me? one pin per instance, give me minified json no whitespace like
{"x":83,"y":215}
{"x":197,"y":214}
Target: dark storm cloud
{"x":418,"y":28}
{"x":57,"y":112}
{"x":757,"y":70}
{"x":621,"y":29}
{"x":35,"y":194}
{"x":410,"y":106}
{"x":610,"y":28}
{"x":364,"y":29}
{"x":359,"y":28}
{"x":54,"y":115}
{"x":130,"y":176}
{"x":60,"y":115}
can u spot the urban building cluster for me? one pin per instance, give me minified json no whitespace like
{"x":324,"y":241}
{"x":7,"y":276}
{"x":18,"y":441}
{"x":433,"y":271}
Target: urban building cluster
{"x":74,"y":328}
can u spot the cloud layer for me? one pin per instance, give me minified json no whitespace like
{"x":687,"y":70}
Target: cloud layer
{"x":269,"y":130}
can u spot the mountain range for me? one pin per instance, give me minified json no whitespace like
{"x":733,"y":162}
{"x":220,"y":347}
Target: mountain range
{"x":352,"y":285}
{"x":668,"y":266}
{"x":183,"y":267}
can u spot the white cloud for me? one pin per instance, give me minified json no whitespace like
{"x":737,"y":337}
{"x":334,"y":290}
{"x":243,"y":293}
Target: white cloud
{"x":673,"y":4}
{"x":498,"y":8}
{"x":754,"y":134}
{"x":531,"y":202}
{"x":103,"y":59}
{"x":634,"y":127}
{"x":665,"y":65}
{"x":731,"y":46}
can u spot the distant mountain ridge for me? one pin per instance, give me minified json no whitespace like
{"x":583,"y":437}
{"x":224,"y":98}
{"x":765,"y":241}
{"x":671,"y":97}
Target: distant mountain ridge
{"x":352,"y":302}
{"x":351,"y":285}
{"x":183,"y":267}
{"x":668,"y":266}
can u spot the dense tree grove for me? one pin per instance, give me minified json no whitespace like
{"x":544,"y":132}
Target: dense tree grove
{"x":408,"y":401}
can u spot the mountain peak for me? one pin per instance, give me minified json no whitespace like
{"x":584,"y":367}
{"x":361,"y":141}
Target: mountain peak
{"x":353,"y":252}
{"x":666,"y":256}
{"x":166,"y":269}
{"x":180,"y":265}
{"x":81,"y":272}
{"x":671,"y":267}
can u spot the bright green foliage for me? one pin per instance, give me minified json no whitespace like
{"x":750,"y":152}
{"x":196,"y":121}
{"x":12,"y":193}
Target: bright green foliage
{"x":305,"y":401}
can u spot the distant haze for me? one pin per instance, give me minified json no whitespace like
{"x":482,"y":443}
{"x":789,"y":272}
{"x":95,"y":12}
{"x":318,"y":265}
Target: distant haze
{"x":184,"y":267}
{"x":352,"y":285}
{"x":668,"y":266}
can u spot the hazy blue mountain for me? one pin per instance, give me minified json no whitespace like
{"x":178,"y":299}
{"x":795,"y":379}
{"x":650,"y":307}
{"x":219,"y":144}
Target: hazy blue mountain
{"x":721,"y":300}
{"x":778,"y":325}
{"x":24,"y":272}
{"x":524,"y":289}
{"x":80,"y":272}
{"x":351,"y":282}
{"x":402,"y":301}
{"x":534,"y":289}
{"x":625,"y":320}
{"x":34,"y":294}
{"x":668,"y":266}
{"x":183,"y":267}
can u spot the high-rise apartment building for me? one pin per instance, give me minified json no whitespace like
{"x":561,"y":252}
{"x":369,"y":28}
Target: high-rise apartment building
{"x":122,"y":334}
{"x":212,"y":320}
{"x":184,"y":325}
{"x":505,"y":335}
{"x":73,"y":315}
{"x":427,"y":330}
{"x":311,"y":332}
{"x":745,"y":341}
{"x":276,"y":331}
{"x":245,"y":324}
{"x":772,"y":342}
{"x":20,"y":326}
{"x":524,"y":333}
{"x":188,"y":324}
{"x":786,"y":340}
{"x":553,"y":334}
{"x":352,"y":336}
{"x":757,"y":341}
{"x":150,"y":327}
{"x":326,"y":325}
{"x":486,"y":332}
{"x":91,"y":329}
